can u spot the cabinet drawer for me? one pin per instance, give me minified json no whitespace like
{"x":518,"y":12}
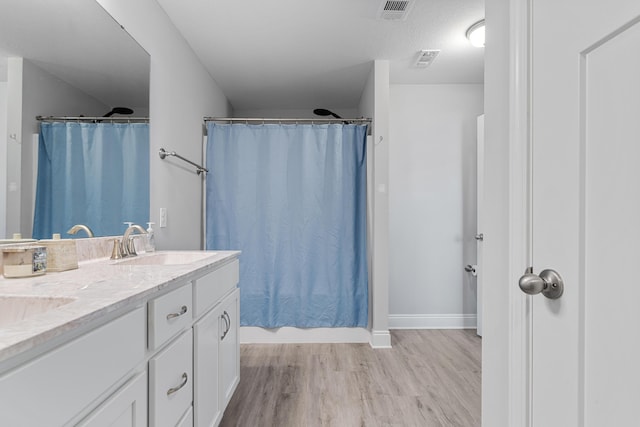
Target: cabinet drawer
{"x":169,"y":314}
{"x":67,"y":380}
{"x":171,"y":382}
{"x":210,"y":288}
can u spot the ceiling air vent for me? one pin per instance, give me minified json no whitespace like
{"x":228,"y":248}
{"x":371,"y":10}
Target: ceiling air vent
{"x":395,"y":10}
{"x":426,"y":57}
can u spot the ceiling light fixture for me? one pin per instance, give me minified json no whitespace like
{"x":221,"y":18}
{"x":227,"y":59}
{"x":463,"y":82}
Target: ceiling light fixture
{"x":475,"y":34}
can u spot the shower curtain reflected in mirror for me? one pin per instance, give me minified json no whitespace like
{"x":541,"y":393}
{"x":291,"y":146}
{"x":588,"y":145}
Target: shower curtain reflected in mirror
{"x":95,"y":174}
{"x":292,"y":198}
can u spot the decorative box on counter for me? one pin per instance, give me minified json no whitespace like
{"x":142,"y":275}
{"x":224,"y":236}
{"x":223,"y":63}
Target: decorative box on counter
{"x":16,"y":240}
{"x":61,"y":253}
{"x":24,"y":260}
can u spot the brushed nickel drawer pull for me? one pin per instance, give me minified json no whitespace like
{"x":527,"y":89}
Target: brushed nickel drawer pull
{"x":183,"y":310}
{"x":174,"y":389}
{"x":227,"y":325}
{"x":228,"y":322}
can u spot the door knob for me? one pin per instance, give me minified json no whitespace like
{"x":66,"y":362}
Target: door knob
{"x":480,"y":236}
{"x":548,"y":282}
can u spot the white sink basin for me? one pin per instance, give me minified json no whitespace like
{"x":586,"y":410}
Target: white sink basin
{"x":14,"y":309}
{"x":166,"y":258}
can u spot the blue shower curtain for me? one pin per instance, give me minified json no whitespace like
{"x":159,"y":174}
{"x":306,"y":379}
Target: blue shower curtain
{"x":95,"y":174}
{"x":292,"y":199}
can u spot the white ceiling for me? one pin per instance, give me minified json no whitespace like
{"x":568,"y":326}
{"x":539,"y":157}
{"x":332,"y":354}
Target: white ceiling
{"x":317,"y":53}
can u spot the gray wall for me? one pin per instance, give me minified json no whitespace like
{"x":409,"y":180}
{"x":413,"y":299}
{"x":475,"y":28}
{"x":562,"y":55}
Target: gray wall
{"x":3,"y":159}
{"x":432,"y":205}
{"x":181,"y":94}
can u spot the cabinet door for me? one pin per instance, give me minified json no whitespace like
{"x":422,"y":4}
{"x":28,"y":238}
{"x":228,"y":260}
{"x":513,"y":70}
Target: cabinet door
{"x":206,"y":398}
{"x":126,"y":408}
{"x":229,"y":347}
{"x":187,"y":419}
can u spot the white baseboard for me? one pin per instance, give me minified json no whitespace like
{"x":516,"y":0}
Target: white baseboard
{"x":380,"y":339}
{"x":284,"y":335}
{"x":432,"y":321}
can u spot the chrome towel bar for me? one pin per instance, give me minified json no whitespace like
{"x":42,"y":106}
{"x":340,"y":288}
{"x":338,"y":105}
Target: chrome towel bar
{"x":199,"y":169}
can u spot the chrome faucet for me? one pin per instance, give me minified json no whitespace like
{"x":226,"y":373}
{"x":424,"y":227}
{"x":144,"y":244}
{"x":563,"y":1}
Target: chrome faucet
{"x":128,"y":245}
{"x":78,"y":227}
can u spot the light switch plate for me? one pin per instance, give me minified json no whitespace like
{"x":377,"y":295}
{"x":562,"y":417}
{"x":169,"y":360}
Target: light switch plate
{"x":163,"y":217}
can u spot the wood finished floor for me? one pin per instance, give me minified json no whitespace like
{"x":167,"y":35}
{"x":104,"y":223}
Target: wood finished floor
{"x":429,"y":378}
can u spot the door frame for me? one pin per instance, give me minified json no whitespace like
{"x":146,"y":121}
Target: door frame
{"x":520,"y":224}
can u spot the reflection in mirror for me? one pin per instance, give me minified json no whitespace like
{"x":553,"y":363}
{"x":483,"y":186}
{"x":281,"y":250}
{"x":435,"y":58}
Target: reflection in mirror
{"x":93,"y":172}
{"x":62,"y":58}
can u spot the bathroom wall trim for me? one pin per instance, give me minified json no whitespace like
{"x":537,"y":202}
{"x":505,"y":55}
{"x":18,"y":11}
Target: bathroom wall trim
{"x":380,"y":339}
{"x":432,"y":321}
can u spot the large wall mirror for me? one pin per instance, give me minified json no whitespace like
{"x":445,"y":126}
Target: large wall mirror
{"x":58,"y":58}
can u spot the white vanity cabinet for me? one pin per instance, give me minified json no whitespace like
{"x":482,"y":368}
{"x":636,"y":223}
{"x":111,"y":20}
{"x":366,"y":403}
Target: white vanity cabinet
{"x":169,"y":358}
{"x":171,"y":382}
{"x":206,"y":395}
{"x":126,"y":408}
{"x":75,"y":376}
{"x":216,"y":355}
{"x":187,"y":419}
{"x":169,"y":314}
{"x":202,"y":365}
{"x":171,"y":368}
{"x":229,"y":358}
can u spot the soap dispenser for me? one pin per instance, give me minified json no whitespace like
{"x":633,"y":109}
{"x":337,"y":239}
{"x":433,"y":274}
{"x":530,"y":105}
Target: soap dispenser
{"x":151,"y":241}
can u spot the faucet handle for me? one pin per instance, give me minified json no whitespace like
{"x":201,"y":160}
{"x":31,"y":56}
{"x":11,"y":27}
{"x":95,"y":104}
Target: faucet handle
{"x":116,"y":253}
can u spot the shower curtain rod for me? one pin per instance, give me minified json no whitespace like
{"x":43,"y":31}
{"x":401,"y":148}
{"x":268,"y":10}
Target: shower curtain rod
{"x":265,"y":120}
{"x":92,"y":119}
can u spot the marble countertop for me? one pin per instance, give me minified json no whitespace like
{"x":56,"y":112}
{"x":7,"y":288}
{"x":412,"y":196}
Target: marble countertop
{"x":98,"y":288}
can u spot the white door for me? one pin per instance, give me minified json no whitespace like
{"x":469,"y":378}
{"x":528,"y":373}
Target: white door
{"x":586,"y":211}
